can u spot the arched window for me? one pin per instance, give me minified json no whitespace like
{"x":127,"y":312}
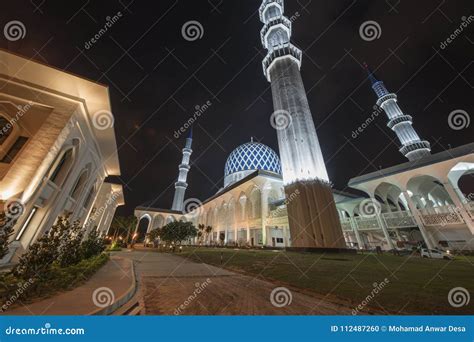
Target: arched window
{"x":80,"y":183}
{"x":89,"y":197}
{"x":61,"y":168}
{"x":6,"y":128}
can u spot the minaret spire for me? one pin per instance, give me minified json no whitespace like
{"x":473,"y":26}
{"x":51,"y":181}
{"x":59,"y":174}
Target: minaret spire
{"x":413,"y":147}
{"x":181,"y":185}
{"x":313,"y":216}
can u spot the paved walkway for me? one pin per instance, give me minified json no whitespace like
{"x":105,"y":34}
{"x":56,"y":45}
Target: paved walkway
{"x":172,"y":285}
{"x":116,"y":276}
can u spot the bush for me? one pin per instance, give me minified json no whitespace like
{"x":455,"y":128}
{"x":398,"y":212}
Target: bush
{"x":36,"y":262}
{"x":92,"y":245}
{"x":6,"y":230}
{"x":70,"y":247}
{"x":57,"y":279}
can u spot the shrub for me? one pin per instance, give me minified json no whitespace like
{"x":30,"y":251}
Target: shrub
{"x":36,"y":262}
{"x":6,"y":230}
{"x":70,"y":247}
{"x":92,"y":245}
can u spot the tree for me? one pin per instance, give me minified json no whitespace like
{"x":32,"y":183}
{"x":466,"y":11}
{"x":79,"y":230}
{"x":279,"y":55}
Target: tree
{"x":177,"y":232}
{"x":154,"y":234}
{"x":208,"y":232}
{"x":6,"y":230}
{"x":200,"y":233}
{"x":123,"y":226}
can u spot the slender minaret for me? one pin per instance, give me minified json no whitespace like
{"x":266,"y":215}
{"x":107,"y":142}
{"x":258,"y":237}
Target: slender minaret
{"x":181,"y":185}
{"x":312,"y":215}
{"x":412,"y":146}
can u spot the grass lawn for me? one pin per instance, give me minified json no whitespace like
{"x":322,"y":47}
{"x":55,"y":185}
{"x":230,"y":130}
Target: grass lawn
{"x":416,"y":285}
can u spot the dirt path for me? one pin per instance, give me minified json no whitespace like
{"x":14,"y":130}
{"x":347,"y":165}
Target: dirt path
{"x":172,"y":285}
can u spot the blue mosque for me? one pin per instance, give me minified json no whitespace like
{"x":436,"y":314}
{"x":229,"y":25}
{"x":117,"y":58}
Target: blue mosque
{"x":285,"y":199}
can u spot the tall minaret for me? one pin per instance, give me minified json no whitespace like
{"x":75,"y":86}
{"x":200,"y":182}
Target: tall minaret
{"x":412,"y":146}
{"x":312,"y":215}
{"x":181,"y":185}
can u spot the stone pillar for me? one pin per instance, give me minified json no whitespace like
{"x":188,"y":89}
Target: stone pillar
{"x":416,"y":215}
{"x":460,"y":208}
{"x":313,"y":217}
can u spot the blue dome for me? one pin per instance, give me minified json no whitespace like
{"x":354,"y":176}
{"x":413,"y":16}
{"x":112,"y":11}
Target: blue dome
{"x":252,"y":156}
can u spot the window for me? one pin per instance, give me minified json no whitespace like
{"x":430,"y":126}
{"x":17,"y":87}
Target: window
{"x":6,"y":129}
{"x":26,"y":223}
{"x":13,"y":151}
{"x":279,"y":240}
{"x":62,"y":167}
{"x":88,"y":198}
{"x":77,"y":189}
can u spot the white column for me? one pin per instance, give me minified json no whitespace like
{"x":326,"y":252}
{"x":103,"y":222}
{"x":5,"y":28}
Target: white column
{"x":460,"y":208}
{"x":418,"y":220}
{"x":264,"y":207}
{"x":356,"y":232}
{"x":243,"y":203}
{"x":384,"y":228}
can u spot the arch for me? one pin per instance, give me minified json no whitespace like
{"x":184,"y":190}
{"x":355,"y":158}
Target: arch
{"x":170,"y":219}
{"x":158,"y":221}
{"x":62,"y":166}
{"x":142,"y":228}
{"x":255,"y":198}
{"x":428,"y":192}
{"x":80,"y":182}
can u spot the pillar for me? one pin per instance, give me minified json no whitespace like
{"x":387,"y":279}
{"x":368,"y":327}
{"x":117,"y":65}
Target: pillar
{"x":384,"y":227}
{"x":418,"y":220}
{"x":356,"y":232}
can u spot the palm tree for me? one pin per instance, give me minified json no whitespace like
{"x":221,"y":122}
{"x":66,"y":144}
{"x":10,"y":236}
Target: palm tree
{"x":208,"y":233}
{"x":123,"y":225}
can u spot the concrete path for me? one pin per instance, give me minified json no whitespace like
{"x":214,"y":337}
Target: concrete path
{"x":171,"y":285}
{"x":104,"y":291}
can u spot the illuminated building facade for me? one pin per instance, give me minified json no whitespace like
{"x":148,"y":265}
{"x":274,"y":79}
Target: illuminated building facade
{"x":57,"y":147}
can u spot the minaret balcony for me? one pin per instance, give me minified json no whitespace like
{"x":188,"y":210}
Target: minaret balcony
{"x":400,"y":119}
{"x":282,"y":51}
{"x":281,"y":23}
{"x":181,"y":185}
{"x":385,"y":98}
{"x":185,"y":167}
{"x":415,"y":146}
{"x":187,"y":150}
{"x":265,"y":6}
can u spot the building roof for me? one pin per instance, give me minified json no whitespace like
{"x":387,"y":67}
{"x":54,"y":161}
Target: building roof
{"x":415,"y":164}
{"x":93,"y":97}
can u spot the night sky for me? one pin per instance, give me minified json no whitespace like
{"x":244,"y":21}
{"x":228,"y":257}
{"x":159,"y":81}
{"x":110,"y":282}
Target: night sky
{"x":157,"y":78}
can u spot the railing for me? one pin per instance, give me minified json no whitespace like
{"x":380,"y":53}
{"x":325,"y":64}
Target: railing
{"x":399,"y":219}
{"x":367,"y":223}
{"x":346,"y":224}
{"x":441,"y":216}
{"x":470,"y":209}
